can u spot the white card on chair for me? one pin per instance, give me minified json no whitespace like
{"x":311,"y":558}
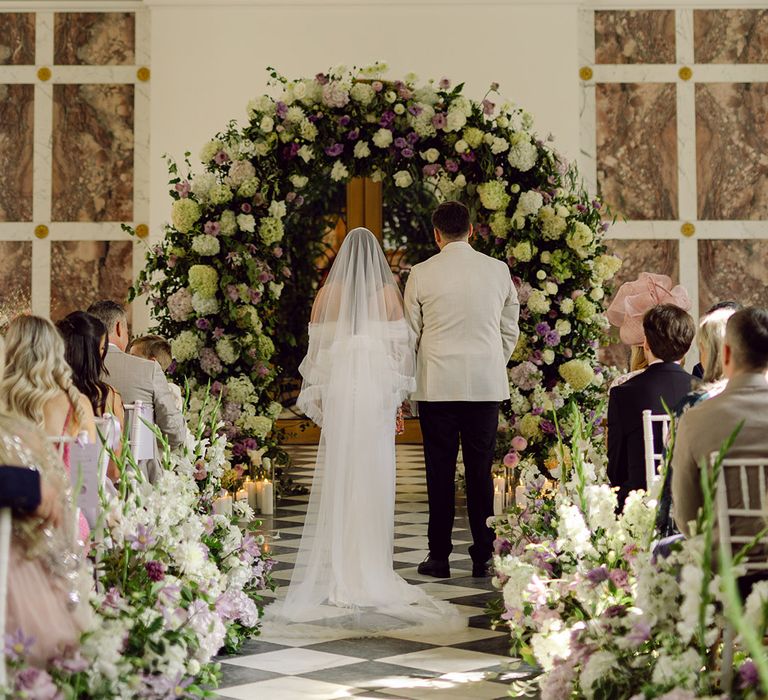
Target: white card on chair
{"x":85,"y":470}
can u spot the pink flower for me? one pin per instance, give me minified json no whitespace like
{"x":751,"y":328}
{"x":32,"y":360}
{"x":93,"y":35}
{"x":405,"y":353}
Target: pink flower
{"x":519,"y":443}
{"x":511,"y":459}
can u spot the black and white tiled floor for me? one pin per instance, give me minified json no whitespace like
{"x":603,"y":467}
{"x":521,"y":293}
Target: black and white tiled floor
{"x":472,"y":663}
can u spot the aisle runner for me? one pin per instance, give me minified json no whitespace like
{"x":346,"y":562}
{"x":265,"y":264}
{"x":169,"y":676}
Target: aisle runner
{"x":472,"y":663}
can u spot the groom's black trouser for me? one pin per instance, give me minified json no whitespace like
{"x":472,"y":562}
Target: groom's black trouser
{"x":443,"y":425}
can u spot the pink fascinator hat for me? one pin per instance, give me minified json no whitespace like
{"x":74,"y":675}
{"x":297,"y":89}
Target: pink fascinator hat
{"x":635,"y":298}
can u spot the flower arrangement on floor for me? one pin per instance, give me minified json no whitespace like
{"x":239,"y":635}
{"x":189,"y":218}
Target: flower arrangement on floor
{"x":174,"y":585}
{"x":216,"y":279}
{"x":588,"y":602}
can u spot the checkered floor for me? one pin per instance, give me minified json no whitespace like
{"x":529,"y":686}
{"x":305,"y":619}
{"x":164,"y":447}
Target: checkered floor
{"x":472,"y":663}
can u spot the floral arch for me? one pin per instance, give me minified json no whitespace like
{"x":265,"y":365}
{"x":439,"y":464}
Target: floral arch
{"x":236,"y":242}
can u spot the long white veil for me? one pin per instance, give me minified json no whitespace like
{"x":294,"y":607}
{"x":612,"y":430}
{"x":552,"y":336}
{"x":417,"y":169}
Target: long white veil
{"x":359,"y":367}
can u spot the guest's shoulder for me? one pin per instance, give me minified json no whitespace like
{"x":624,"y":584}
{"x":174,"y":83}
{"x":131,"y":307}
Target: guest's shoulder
{"x":132,"y":362}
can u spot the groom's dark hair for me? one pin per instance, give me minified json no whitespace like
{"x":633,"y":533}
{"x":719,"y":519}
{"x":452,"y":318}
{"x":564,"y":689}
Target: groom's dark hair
{"x":451,"y":219}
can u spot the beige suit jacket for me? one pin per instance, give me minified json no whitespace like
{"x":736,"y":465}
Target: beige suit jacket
{"x":463,"y":308}
{"x":138,"y":379}
{"x":702,"y":430}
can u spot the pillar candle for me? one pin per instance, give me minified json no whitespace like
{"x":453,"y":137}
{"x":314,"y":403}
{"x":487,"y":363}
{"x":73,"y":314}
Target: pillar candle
{"x":223,"y":505}
{"x":242,"y":495}
{"x":520,"y":495}
{"x":250,"y":487}
{"x":498,"y":502}
{"x":260,"y":495}
{"x":267,"y":505}
{"x":498,"y":484}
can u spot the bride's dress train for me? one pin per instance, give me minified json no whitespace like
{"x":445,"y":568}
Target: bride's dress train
{"x":343,"y":576}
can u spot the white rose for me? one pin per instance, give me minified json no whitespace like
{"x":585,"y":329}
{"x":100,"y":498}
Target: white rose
{"x":305,"y":153}
{"x":403,"y":178}
{"x":299,"y":90}
{"x":550,"y":288}
{"x":460,"y":181}
{"x":246,"y":222}
{"x":390,"y":97}
{"x":339,"y":171}
{"x":563,"y":326}
{"x":456,"y":120}
{"x":398,"y":109}
{"x":299,"y":181}
{"x":597,"y":294}
{"x":461,"y":146}
{"x":277,"y":209}
{"x":430,"y":155}
{"x":362,"y":150}
{"x":267,"y":124}
{"x":548,"y":356}
{"x":382,"y":138}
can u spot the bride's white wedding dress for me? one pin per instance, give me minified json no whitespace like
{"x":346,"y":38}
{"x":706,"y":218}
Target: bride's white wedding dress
{"x":357,"y":371}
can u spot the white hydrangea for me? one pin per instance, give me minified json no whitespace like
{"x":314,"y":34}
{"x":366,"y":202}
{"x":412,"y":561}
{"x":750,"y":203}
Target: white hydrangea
{"x":362,"y":93}
{"x":677,"y":670}
{"x":202,"y":185}
{"x":553,"y":642}
{"x":538,"y":302}
{"x":573,"y":535}
{"x":519,"y":576}
{"x":382,"y":138}
{"x":240,"y":390}
{"x":206,"y":245}
{"x":185,"y":346}
{"x":599,"y":665}
{"x":226,"y":350}
{"x":522,"y":153}
{"x":240,"y":172}
{"x":403,"y":178}
{"x":246,"y":222}
{"x":204,"y":305}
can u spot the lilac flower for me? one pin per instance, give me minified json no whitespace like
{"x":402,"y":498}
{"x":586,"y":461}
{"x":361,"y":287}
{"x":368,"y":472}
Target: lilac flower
{"x":345,"y":120}
{"x":548,"y":427}
{"x":17,"y":646}
{"x":748,"y":675}
{"x":542,"y":328}
{"x":353,"y":135}
{"x":335,"y":149}
{"x":220,"y":158}
{"x":451,"y":165}
{"x":412,"y":137}
{"x":552,"y":338}
{"x":212,"y":228}
{"x":415,"y":110}
{"x":183,"y":188}
{"x":142,"y":540}
{"x":155,"y":570}
{"x":440,"y":121}
{"x":387,"y":118}
{"x":203,"y":324}
{"x":281,"y":109}
{"x":431,"y":170}
{"x":210,"y":362}
{"x":217,"y":387}
{"x":400,"y":142}
{"x":597,"y":575}
{"x":469,"y":156}
{"x":407,"y":153}
{"x":36,"y":683}
{"x":488,"y":107}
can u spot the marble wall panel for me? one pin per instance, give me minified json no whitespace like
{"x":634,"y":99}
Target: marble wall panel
{"x":15,"y":279}
{"x":85,"y":271}
{"x":634,"y":36}
{"x":94,"y":38}
{"x":637,"y":149}
{"x":659,"y":256}
{"x":731,"y":148}
{"x":17,"y":38}
{"x":16,"y":143}
{"x":92,"y":153}
{"x":730,"y":36}
{"x":735,"y":270}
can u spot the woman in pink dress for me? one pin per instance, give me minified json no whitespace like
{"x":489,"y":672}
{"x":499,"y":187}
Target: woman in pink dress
{"x":37,"y":385}
{"x":47,"y":599}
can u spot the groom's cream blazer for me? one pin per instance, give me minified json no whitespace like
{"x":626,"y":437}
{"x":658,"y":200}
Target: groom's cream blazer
{"x":463,"y":308}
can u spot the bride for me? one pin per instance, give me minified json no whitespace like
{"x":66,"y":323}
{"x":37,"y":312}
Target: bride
{"x":358,"y":369}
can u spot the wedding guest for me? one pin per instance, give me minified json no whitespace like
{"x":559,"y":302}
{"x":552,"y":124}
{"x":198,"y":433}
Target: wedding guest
{"x":698,"y":369}
{"x":85,"y":339}
{"x":668,"y":333}
{"x":37,"y":385}
{"x":138,"y":379}
{"x":710,"y":340}
{"x":47,"y":590}
{"x":632,"y":301}
{"x":704,"y":428}
{"x":157,"y":348}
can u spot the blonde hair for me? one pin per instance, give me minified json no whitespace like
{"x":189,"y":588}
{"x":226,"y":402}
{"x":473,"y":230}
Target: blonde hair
{"x":711,"y":340}
{"x":35,"y":370}
{"x":153,"y":347}
{"x":637,"y":358}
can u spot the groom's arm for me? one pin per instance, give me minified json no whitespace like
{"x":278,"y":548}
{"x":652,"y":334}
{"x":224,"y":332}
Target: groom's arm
{"x":412,"y":307}
{"x":509,"y":316}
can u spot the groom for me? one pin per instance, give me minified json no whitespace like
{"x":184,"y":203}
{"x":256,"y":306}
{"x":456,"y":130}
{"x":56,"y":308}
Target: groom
{"x":463,"y":307}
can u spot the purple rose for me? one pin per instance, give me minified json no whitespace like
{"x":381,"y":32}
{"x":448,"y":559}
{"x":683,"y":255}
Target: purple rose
{"x":469,"y":156}
{"x":440,"y":121}
{"x":212,"y":228}
{"x":387,"y":118}
{"x":431,"y":170}
{"x":344,"y":120}
{"x":542,"y":328}
{"x":412,"y":137}
{"x":451,"y":165}
{"x":415,"y":110}
{"x":353,"y":135}
{"x":203,"y":324}
{"x":407,"y":153}
{"x":400,"y":142}
{"x":552,"y":338}
{"x":335,"y":149}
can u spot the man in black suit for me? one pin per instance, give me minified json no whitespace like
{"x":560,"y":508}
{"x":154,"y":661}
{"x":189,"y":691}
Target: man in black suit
{"x":669,"y":332}
{"x":23,"y":491}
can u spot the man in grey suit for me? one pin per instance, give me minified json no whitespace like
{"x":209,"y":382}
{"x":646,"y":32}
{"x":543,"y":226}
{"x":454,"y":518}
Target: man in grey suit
{"x":705,"y":427}
{"x":138,"y":379}
{"x":463,"y":308}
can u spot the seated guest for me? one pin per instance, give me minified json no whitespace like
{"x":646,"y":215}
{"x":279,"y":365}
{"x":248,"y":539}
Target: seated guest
{"x":668,"y":332}
{"x":704,"y":428}
{"x":711,"y":340}
{"x":698,"y":370}
{"x":85,"y":339}
{"x":138,"y":379}
{"x":157,"y":348}
{"x":628,"y":307}
{"x":47,"y":589}
{"x":37,"y":385}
